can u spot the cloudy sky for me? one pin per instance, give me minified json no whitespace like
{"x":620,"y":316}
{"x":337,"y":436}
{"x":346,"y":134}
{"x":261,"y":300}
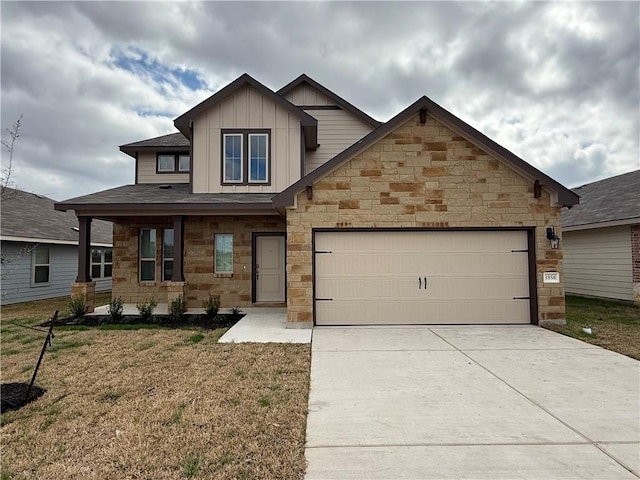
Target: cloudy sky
{"x":556,"y":83}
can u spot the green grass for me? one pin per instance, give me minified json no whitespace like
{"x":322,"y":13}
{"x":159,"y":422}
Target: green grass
{"x":111,"y":396}
{"x":58,"y":345}
{"x":195,"y":338}
{"x":191,"y":465}
{"x":615,"y":325}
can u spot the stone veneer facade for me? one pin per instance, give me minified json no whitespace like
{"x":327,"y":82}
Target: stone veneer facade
{"x":421,"y":176}
{"x":233,"y":289}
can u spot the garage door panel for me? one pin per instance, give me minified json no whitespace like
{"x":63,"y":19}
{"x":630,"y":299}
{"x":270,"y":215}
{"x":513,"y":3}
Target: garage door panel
{"x":378,"y":277}
{"x":392,"y":312}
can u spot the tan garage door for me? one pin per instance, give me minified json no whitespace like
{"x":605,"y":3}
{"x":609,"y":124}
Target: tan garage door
{"x":428,"y":277}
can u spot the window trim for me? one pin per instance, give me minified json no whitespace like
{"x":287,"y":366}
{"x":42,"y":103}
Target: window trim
{"x":166,"y":259}
{"x":244,"y":161}
{"x":215,"y":255}
{"x":176,"y":162}
{"x":34,"y":265}
{"x":147,"y":259}
{"x":103,"y":263}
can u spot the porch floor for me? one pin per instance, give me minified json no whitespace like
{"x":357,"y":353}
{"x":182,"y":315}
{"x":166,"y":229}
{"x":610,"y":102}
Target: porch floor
{"x":259,"y":325}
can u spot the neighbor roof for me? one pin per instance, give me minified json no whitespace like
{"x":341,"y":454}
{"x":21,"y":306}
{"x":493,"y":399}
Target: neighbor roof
{"x":165,"y":198}
{"x":565,"y":196}
{"x":172,"y":142}
{"x":309,"y":124}
{"x":614,"y":199}
{"x":339,"y":101}
{"x":30,"y":217}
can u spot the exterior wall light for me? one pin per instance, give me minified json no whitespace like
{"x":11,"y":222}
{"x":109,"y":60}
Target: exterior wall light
{"x":554,"y":240}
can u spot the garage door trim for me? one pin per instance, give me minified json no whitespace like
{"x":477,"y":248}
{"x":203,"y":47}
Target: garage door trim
{"x":530,"y":231}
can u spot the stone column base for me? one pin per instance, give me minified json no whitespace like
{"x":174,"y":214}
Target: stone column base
{"x":86,"y":290}
{"x":636,"y":293}
{"x":175,"y":290}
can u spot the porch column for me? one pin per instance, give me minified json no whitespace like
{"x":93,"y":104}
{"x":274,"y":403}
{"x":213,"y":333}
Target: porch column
{"x":178,"y":249}
{"x":84,"y":250}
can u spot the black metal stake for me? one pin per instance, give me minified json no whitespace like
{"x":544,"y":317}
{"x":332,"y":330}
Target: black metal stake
{"x":47,"y":342}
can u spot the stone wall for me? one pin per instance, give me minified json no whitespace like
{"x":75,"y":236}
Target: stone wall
{"x":233,"y":289}
{"x":421,"y":176}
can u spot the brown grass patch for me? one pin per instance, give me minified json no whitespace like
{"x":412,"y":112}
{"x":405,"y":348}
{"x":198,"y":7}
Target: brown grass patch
{"x":155,"y":404}
{"x":42,"y":309}
{"x":614,"y":325}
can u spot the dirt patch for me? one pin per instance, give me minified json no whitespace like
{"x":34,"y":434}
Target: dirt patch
{"x":14,"y":395}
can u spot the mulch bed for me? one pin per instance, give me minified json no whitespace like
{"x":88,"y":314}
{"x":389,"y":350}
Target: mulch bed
{"x":222,"y":320}
{"x":13,"y":395}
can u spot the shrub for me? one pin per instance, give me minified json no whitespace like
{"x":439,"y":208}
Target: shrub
{"x":211,"y":306}
{"x":115,"y":309}
{"x":145,"y":309}
{"x":78,"y":306}
{"x":177,"y":309}
{"x":236,"y":313}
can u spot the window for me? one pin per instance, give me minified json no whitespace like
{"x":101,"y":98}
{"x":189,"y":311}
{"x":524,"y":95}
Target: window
{"x":258,"y":158}
{"x":245,"y":157}
{"x":167,"y":254}
{"x":147,"y":254}
{"x":223,"y":253}
{"x":173,"y":163}
{"x":40,"y":260}
{"x":101,"y":262}
{"x":233,"y":158}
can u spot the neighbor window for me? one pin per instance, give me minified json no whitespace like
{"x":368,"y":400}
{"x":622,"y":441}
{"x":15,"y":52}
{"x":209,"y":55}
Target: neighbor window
{"x":173,"y":163}
{"x":101,"y":262}
{"x":245,"y":157}
{"x":223,"y":253}
{"x":147,"y":254}
{"x":41,"y":265}
{"x":167,"y":254}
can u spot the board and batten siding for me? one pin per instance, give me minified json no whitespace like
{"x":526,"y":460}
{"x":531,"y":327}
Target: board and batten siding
{"x":147,"y":171}
{"x":305,"y":95}
{"x":597,"y":262}
{"x":16,"y":275}
{"x":246,"y":109}
{"x":337,"y":130}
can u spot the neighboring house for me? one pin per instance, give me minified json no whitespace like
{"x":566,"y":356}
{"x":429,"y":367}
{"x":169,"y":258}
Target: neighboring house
{"x":295,"y":197}
{"x":40,"y":249}
{"x":602,"y":239}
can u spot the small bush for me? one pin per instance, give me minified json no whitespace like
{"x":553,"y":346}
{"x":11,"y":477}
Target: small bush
{"x":115,"y":309}
{"x":236,"y":313}
{"x":177,"y":309}
{"x":211,"y":306}
{"x":78,"y":306}
{"x":145,"y":309}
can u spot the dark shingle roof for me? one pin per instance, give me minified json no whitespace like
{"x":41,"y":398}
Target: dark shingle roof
{"x":612,"y":199}
{"x":171,"y":142}
{"x":27,"y":215}
{"x":149,"y":196}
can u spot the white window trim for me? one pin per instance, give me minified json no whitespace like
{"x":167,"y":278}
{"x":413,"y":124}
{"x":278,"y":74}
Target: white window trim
{"x":266,"y":166}
{"x":146,"y":259}
{"x":34,"y":265}
{"x":224,"y":159}
{"x":215,"y":249}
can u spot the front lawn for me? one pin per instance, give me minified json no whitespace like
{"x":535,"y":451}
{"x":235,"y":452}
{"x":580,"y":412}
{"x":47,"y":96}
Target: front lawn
{"x":614,"y":325}
{"x":152,"y":403}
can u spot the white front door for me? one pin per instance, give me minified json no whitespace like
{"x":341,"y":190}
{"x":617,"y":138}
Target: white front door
{"x":270,"y":268}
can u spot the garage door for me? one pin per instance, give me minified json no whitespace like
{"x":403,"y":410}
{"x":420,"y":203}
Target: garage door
{"x":421,"y":277}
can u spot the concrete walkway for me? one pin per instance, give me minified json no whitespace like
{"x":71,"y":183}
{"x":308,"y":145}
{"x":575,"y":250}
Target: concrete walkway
{"x":512,"y":402}
{"x":265,"y":325}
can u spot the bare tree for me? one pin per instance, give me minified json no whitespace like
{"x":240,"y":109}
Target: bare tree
{"x":9,"y":145}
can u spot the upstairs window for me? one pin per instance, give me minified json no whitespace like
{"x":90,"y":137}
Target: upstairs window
{"x":245,"y":157}
{"x":173,"y":163}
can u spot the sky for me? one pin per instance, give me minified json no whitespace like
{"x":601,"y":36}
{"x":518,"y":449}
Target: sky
{"x":555,"y":83}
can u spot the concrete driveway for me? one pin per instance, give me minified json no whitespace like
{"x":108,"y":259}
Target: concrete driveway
{"x":503,"y":402}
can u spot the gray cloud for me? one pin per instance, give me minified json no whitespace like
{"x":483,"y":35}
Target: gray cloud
{"x":556,"y":83}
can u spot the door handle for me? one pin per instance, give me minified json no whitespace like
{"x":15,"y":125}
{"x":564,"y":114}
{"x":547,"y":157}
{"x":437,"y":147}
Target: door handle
{"x":425,"y":283}
{"x":419,"y":283}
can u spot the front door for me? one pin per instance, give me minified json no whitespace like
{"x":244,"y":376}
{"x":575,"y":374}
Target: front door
{"x":269,"y":268}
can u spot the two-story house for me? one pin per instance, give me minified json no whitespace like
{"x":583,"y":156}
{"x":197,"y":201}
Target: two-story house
{"x":295,"y":197}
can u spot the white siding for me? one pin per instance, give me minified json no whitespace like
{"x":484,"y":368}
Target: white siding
{"x":337,"y":130}
{"x":16,"y":275}
{"x":147,"y":171}
{"x":246,"y":109}
{"x":597,"y":262}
